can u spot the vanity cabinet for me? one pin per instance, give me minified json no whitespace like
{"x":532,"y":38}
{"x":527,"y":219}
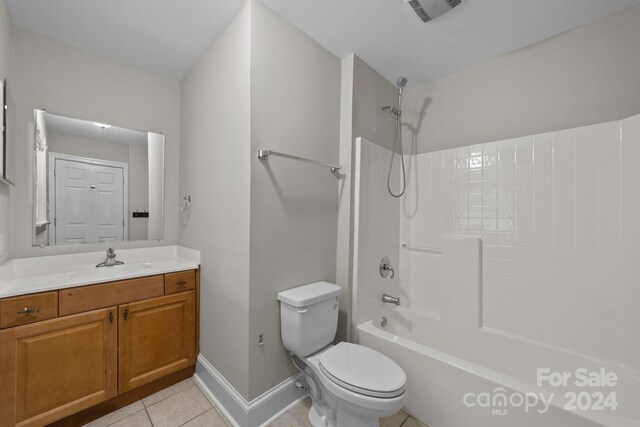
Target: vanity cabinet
{"x":156,"y":338}
{"x":103,"y":345}
{"x":54,"y":368}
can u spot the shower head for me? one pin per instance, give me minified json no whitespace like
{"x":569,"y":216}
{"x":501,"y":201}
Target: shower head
{"x":401,"y":82}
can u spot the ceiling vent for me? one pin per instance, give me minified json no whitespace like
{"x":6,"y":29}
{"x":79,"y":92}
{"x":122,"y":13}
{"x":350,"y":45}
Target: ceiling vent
{"x":431,"y":9}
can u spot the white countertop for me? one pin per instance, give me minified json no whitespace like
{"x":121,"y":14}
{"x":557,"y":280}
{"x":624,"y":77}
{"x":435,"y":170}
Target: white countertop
{"x":40,"y":274}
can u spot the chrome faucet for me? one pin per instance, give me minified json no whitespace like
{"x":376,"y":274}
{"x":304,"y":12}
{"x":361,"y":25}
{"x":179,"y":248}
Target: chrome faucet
{"x":110,"y":261}
{"x":390,"y":300}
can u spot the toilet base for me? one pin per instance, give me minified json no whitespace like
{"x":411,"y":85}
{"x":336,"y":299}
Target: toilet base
{"x":315,"y":419}
{"x":348,"y":419}
{"x":344,"y":419}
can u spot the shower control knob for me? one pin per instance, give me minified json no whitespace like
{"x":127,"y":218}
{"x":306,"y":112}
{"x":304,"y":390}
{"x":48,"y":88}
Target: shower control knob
{"x":386,"y":270}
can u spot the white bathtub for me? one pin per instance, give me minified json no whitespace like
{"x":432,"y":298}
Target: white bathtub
{"x":441,"y":380}
{"x":459,"y":372}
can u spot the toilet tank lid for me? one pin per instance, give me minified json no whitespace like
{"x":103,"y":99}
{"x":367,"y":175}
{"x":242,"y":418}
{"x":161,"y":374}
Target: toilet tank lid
{"x":309,"y":294}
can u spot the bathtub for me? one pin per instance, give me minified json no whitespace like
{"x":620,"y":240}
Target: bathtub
{"x":489,"y":385}
{"x":460,"y":372}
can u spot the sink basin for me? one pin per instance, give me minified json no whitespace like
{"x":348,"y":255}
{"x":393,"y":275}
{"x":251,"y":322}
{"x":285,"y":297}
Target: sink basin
{"x":127,"y":268}
{"x":110,"y":271}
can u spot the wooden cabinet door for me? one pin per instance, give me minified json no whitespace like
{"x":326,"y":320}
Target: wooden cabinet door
{"x":54,"y":368}
{"x":156,"y":338}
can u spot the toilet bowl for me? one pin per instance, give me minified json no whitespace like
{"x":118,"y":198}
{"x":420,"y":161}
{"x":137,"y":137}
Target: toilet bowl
{"x":368,"y":388}
{"x":350,"y":385}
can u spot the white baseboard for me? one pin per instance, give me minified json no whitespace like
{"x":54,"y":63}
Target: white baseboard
{"x":238,"y":411}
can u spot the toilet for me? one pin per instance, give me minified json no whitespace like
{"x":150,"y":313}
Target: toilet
{"x":350,"y":385}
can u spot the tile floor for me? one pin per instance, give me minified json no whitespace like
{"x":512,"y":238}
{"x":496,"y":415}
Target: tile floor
{"x":183,"y":404}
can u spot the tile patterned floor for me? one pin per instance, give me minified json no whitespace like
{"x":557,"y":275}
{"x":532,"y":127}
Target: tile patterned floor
{"x":184,"y":405}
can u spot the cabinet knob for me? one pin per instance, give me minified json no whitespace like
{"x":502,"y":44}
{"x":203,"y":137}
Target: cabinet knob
{"x":181,"y":283}
{"x":28,"y":310}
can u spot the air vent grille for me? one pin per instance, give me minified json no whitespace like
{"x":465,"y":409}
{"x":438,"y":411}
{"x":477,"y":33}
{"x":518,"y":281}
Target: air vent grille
{"x":427,"y":10}
{"x":419,"y":10}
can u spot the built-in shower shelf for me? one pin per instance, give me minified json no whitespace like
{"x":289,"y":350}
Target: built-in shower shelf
{"x":427,"y":249}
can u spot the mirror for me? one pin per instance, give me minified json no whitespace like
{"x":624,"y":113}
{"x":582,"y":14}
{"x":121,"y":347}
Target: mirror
{"x":95,"y":183}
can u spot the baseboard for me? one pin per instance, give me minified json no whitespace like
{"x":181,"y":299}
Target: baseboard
{"x":238,"y":411}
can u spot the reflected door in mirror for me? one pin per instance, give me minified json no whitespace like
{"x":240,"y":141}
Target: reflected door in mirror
{"x":89,"y":202}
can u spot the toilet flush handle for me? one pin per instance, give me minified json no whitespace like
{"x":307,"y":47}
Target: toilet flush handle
{"x":302,"y":310}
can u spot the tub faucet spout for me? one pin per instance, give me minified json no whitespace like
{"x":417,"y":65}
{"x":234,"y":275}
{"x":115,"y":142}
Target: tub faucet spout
{"x":390,"y":300}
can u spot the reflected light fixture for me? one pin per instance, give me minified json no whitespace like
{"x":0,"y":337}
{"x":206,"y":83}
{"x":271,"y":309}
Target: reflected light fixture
{"x":102,"y":125}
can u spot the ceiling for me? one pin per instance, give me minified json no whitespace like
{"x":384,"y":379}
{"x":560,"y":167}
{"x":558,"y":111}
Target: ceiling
{"x":91,"y":130}
{"x":168,"y":36}
{"x":390,"y":38}
{"x":162,"y":36}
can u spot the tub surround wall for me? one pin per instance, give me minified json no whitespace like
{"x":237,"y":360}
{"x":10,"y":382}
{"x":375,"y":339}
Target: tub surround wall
{"x":542,"y":311}
{"x":557,"y":213}
{"x":5,"y":72}
{"x":585,"y":76}
{"x":376,"y":231}
{"x":364,"y":93}
{"x":73,"y":82}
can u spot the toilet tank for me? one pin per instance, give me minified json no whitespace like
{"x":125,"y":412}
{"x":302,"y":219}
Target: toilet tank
{"x":309,"y":317}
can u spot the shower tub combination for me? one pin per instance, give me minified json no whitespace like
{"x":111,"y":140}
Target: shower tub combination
{"x":459,"y":372}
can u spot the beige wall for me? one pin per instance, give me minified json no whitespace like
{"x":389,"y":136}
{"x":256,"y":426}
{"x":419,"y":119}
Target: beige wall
{"x":295,"y":108}
{"x":364,"y":93}
{"x":85,"y":147}
{"x":585,"y":76}
{"x":215,"y":170}
{"x":69,"y":81}
{"x":371,"y":92}
{"x":5,"y":72}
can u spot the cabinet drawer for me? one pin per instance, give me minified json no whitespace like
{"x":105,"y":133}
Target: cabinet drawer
{"x":179,"y":282}
{"x":86,"y":298}
{"x":28,"y":308}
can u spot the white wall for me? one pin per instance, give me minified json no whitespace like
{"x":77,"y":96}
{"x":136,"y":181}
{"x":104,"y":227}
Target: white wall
{"x":69,"y":81}
{"x":557,"y":213}
{"x":215,"y":170}
{"x":585,"y":76}
{"x":5,"y":72}
{"x":295,"y":108}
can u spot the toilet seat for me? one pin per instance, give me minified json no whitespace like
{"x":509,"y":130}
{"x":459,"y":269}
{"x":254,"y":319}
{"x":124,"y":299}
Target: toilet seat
{"x":363,"y":370}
